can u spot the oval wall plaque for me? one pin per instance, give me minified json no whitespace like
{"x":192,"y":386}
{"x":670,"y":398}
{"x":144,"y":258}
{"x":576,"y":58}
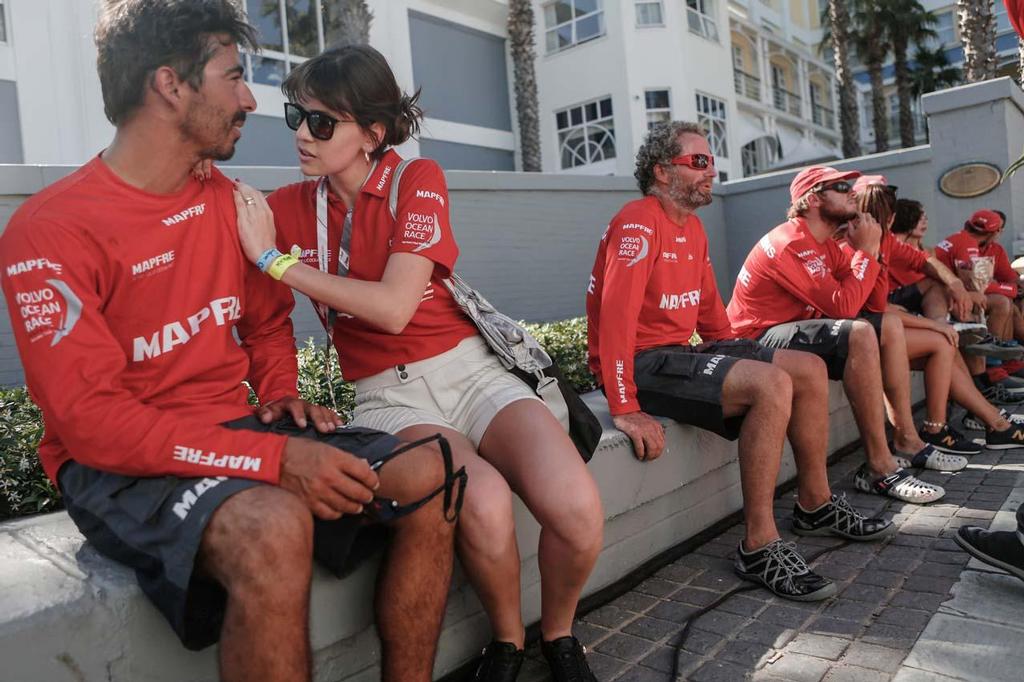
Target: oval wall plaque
{"x":970,"y":180}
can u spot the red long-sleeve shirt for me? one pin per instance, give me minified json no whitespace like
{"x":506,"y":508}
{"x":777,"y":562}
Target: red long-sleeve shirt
{"x":652,"y":285}
{"x":123,"y":305}
{"x":789,"y":275}
{"x":959,"y":250}
{"x":904,"y":269}
{"x":892,"y":254}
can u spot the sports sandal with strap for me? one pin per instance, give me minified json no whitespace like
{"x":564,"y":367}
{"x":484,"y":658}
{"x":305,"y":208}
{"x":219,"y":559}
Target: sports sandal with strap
{"x":780,"y":568}
{"x":930,"y":458}
{"x":899,"y":485}
{"x":838,"y":517}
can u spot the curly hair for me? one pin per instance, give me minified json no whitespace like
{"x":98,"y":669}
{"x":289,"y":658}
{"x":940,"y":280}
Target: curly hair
{"x":356,"y":80}
{"x":661,"y":146}
{"x":134,"y":38}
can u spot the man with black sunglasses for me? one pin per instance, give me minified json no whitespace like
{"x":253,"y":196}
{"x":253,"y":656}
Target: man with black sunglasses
{"x":127,"y":286}
{"x":651,"y":288}
{"x":797,"y":289}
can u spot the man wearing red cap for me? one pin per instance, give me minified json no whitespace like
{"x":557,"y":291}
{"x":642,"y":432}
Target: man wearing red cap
{"x":798,"y":290}
{"x":652,"y":286}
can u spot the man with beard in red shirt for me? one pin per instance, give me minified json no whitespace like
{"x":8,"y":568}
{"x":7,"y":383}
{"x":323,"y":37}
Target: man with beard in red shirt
{"x":126,"y":285}
{"x":798,"y":290}
{"x":652,"y":286}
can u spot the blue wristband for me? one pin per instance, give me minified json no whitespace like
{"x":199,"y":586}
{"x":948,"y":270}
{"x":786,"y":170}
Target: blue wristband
{"x":267,"y":257}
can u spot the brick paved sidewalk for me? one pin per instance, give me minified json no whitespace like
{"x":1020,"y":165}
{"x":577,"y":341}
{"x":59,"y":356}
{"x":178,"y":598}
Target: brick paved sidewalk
{"x":888,"y":593}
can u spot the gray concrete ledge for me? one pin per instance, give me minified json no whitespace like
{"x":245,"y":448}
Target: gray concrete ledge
{"x":973,"y":94}
{"x":67,"y":613}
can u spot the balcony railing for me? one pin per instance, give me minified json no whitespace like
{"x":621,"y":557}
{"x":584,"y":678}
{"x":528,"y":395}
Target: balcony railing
{"x":786,"y":101}
{"x":746,"y":84}
{"x":823,"y":116}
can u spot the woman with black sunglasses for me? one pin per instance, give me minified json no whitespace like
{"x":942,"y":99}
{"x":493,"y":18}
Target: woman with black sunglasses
{"x":418,"y":363}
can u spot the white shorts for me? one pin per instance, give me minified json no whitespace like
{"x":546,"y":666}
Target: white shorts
{"x":462,"y":389}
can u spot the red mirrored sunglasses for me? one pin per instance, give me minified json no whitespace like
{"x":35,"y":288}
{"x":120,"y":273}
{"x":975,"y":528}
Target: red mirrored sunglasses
{"x":694,"y":161}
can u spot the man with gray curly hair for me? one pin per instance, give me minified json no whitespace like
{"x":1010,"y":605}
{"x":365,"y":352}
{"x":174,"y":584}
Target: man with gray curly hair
{"x":651,"y":289}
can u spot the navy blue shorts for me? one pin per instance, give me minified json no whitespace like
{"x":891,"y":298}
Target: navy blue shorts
{"x":155,"y":527}
{"x":685,"y":383}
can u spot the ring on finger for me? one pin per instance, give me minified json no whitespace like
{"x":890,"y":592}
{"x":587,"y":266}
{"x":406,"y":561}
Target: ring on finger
{"x":249,"y":201}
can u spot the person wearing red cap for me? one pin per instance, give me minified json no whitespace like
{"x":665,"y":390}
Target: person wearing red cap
{"x":963,"y":252}
{"x":931,"y":345}
{"x":797,"y":289}
{"x":651,"y":288}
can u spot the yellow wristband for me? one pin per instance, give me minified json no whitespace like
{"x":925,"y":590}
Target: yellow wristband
{"x":280,"y":264}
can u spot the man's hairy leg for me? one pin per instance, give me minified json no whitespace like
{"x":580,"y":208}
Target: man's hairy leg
{"x":413,"y":582}
{"x":259,"y":546}
{"x":808,"y":425}
{"x":764,"y":395}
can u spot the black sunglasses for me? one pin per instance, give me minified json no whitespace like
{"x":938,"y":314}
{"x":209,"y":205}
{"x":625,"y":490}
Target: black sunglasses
{"x":842,"y":187}
{"x":321,"y":125}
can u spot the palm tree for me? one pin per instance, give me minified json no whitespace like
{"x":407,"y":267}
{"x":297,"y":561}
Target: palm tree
{"x":346,"y":22}
{"x":520,"y":35}
{"x":908,"y":22}
{"x":836,"y":23}
{"x":1020,"y":62}
{"x":871,"y":41}
{"x":931,"y":71}
{"x":978,"y":35}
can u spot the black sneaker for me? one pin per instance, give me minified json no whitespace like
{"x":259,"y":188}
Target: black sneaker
{"x":838,"y":517}
{"x":998,"y":395}
{"x":780,"y":568}
{"x":568,"y":660}
{"x":950,"y":441}
{"x":993,"y":348}
{"x":500,"y":662}
{"x":1002,"y":549}
{"x":1007,"y":439}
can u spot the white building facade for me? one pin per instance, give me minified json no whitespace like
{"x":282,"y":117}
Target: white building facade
{"x":606,"y":70}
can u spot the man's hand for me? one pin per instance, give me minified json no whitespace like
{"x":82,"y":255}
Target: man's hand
{"x":331,"y":482}
{"x":645,"y":431}
{"x":960,"y":303}
{"x":865,"y":234}
{"x":324,"y":418}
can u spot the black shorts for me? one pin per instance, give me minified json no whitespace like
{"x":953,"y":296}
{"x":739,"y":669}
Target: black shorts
{"x":910,"y":297}
{"x":685,"y":383}
{"x":155,"y":526}
{"x":828,"y":339}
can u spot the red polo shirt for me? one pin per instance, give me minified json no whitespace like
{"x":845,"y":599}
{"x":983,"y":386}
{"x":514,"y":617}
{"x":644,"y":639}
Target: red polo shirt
{"x":904,"y":269}
{"x":652,"y":285}
{"x":422,"y":227}
{"x":959,"y":250}
{"x":789,"y":275}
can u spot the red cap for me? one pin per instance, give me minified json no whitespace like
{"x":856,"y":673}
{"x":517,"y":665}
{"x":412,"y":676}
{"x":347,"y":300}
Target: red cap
{"x":868,"y":180}
{"x":812,"y":176}
{"x":984,"y":221}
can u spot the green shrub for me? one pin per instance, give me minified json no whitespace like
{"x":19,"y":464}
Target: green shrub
{"x":566,"y":342}
{"x":313,"y":382}
{"x":24,"y":488}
